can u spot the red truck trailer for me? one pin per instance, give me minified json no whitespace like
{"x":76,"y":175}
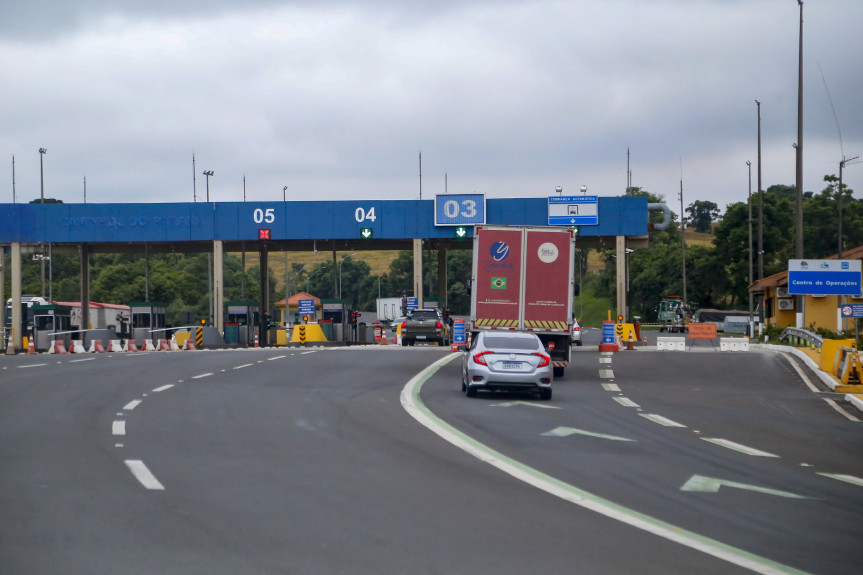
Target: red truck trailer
{"x":522,"y":280}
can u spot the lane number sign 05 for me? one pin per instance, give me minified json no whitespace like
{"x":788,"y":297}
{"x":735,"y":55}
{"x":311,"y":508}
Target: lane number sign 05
{"x":459,"y":209}
{"x":264,"y":216}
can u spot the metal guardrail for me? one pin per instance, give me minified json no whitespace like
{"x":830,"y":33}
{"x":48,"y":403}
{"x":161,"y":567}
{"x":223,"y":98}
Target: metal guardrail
{"x":801,"y":337}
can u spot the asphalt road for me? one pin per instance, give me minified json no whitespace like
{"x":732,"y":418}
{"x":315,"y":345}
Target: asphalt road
{"x":300,"y":461}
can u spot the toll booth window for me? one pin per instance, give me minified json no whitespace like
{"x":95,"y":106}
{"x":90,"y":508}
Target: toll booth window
{"x":141,"y":320}
{"x":44,"y":322}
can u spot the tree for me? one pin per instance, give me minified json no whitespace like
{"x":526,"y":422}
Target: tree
{"x":702,"y":214}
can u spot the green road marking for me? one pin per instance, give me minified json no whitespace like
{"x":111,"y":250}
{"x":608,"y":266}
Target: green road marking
{"x":738,"y":447}
{"x":702,"y":484}
{"x":567,"y":431}
{"x":846,"y":478}
{"x":529,"y":403}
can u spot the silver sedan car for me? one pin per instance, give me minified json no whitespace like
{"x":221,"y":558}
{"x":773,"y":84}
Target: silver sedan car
{"x":513,"y":361}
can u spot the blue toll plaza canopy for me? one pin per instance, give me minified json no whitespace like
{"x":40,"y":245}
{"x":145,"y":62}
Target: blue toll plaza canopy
{"x":305,"y":220}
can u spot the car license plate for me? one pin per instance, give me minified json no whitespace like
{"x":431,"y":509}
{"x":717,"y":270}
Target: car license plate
{"x":421,"y":337}
{"x":511,"y":365}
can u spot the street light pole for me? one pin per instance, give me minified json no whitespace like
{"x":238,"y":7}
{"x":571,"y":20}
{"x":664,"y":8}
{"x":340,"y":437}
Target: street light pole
{"x":749,"y":203}
{"x":42,"y":152}
{"x":340,"y":271}
{"x":208,"y":173}
{"x":798,"y":244}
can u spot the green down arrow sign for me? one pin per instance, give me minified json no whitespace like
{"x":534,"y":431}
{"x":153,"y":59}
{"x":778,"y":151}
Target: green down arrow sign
{"x":460,"y":232}
{"x":366,"y":233}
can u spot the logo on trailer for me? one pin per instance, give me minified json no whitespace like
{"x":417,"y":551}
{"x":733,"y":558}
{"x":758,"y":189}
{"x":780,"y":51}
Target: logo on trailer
{"x":547,"y":253}
{"x":499,"y":251}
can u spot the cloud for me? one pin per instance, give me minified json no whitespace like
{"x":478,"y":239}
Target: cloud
{"x":337,"y":99}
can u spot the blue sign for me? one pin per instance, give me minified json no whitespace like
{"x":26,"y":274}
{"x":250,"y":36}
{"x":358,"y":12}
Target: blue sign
{"x":306,"y":306}
{"x":458,"y":333}
{"x":851,"y":310}
{"x":459,"y":209}
{"x":824,"y":277}
{"x":573,"y":210}
{"x":413,"y":303}
{"x":608,"y":332}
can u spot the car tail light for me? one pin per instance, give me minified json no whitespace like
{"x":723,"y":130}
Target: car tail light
{"x":543,"y":359}
{"x":439,"y":325}
{"x":576,"y":328}
{"x":478,"y":358}
{"x":551,"y":346}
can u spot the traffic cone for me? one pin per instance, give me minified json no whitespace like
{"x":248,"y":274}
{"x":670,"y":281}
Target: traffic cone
{"x":629,"y":344}
{"x":31,"y":347}
{"x":257,"y":343}
{"x":10,"y":346}
{"x":383,"y":337}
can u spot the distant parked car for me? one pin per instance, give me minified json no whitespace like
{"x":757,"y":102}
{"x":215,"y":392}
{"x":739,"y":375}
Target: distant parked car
{"x":576,"y":332}
{"x":512,"y":361}
{"x":395,"y":323}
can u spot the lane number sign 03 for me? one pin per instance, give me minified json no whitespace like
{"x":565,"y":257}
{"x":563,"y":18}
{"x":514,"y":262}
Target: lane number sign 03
{"x":459,"y":209}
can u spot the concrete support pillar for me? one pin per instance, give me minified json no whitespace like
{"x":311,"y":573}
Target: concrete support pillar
{"x":620,"y":249}
{"x":442,"y":278}
{"x":418,"y":271}
{"x":84,"y":252}
{"x":15,"y":264}
{"x":219,"y":285}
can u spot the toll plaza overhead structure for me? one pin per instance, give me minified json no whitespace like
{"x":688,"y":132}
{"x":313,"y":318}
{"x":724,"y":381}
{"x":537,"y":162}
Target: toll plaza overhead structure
{"x":352,"y":225}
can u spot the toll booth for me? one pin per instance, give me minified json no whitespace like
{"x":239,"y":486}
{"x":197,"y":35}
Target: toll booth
{"x":146,"y":317}
{"x":49,"y":319}
{"x":242,"y":319}
{"x":335,"y":311}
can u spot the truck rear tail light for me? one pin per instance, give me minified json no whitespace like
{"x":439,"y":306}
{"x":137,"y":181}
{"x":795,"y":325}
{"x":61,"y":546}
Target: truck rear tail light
{"x":478,"y":358}
{"x":439,"y":325}
{"x":544,"y":360}
{"x":551,"y":346}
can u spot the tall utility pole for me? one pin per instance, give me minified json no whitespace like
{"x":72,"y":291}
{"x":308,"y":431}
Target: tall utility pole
{"x":760,"y":202}
{"x":798,"y":197}
{"x":798,"y":243}
{"x":421,"y":175}
{"x":682,"y":237}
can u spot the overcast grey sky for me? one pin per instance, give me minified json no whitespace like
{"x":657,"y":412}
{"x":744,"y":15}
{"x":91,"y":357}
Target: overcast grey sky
{"x":335,"y":99}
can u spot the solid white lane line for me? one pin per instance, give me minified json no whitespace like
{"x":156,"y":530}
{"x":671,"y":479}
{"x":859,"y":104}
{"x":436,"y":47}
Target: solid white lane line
{"x":80,"y":360}
{"x":118,"y":428}
{"x":277,"y":357}
{"x":244,"y":365}
{"x":201,"y":375}
{"x":163,"y":388}
{"x":835,"y":406}
{"x":31,"y":365}
{"x":626,"y":402}
{"x":132,"y":404}
{"x":143,"y":475}
{"x":308,"y":352}
{"x":739,"y":447}
{"x":661,"y":420}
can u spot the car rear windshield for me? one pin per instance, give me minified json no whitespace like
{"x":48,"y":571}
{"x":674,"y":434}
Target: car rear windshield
{"x":423,"y":315}
{"x":505,"y":342}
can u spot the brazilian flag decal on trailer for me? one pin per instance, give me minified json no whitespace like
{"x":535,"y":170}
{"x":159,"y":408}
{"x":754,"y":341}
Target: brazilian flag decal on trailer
{"x":498,"y":283}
